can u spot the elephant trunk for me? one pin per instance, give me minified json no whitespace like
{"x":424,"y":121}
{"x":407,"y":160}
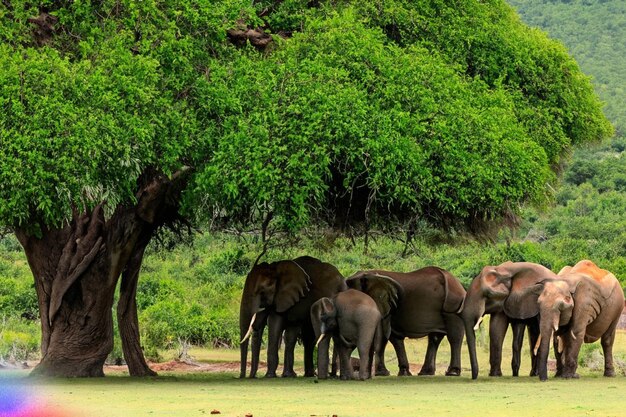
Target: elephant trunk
{"x":542,"y":348}
{"x":248,"y":315}
{"x":472,"y":314}
{"x":245,"y":338}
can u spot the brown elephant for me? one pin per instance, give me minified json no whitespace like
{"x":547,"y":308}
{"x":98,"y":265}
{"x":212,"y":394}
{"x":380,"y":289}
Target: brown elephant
{"x":429,"y":302}
{"x":583,"y":305}
{"x":280,"y":295}
{"x":498,"y":291}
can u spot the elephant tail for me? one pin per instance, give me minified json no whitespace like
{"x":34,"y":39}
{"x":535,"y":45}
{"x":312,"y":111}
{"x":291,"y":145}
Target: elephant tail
{"x":454,"y":293}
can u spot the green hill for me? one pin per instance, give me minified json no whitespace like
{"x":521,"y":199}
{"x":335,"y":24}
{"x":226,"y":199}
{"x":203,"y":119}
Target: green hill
{"x":594,"y":31}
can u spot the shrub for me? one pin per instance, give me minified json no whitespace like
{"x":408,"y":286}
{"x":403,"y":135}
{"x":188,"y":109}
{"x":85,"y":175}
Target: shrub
{"x":168,"y":321}
{"x":591,"y":357}
{"x":17,"y":298}
{"x":19,"y":339}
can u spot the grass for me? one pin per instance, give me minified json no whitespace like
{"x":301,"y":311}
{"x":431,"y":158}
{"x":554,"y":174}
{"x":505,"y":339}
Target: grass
{"x":197,"y":394}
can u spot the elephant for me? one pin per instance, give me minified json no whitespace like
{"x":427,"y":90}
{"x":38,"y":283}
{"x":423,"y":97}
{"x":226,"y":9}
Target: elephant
{"x":498,"y":291}
{"x":280,"y":295}
{"x":583,"y":305}
{"x":429,"y":302}
{"x":353,"y":320}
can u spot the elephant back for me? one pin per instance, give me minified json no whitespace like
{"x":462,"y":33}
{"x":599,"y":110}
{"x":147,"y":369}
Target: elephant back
{"x":322,"y":280}
{"x":455,"y":293}
{"x":435,"y":281}
{"x":426,"y":295}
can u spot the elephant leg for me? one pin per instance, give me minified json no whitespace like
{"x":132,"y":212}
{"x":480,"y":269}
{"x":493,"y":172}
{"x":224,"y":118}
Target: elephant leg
{"x":429,"y":365}
{"x":456,"y":331}
{"x":308,"y":340}
{"x":367,"y":336}
{"x":275,"y":327}
{"x":498,"y":325}
{"x":558,"y":355}
{"x":533,"y":336}
{"x":365,"y":363}
{"x":256,"y":351}
{"x":607,"y":348}
{"x":403,"y":362}
{"x":291,"y":337}
{"x":345,"y":366}
{"x":381,"y":369}
{"x":518,"y":341}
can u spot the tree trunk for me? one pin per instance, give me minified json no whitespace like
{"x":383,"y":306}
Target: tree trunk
{"x":127,"y":320}
{"x":76,"y":269}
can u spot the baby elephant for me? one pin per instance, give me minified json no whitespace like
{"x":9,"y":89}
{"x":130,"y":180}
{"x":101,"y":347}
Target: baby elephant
{"x":352,"y":319}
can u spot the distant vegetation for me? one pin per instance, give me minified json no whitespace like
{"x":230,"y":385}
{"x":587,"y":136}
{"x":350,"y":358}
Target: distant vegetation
{"x":190,"y":295}
{"x":594,"y":32}
{"x":588,"y":219}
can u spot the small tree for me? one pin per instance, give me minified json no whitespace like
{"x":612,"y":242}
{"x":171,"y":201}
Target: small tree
{"x":120,"y":118}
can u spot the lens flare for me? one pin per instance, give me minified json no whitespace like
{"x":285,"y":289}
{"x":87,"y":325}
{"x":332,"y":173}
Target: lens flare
{"x":19,"y":400}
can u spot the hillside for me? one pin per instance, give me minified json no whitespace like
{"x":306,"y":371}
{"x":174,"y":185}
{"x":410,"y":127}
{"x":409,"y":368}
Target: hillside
{"x":594,"y":31}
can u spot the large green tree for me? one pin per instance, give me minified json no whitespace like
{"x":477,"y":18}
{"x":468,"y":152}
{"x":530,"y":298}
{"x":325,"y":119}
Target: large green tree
{"x":120,"y":118}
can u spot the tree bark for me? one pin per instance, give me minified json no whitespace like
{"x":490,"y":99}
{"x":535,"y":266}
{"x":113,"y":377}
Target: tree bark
{"x":76,"y":270}
{"x":127,"y":320}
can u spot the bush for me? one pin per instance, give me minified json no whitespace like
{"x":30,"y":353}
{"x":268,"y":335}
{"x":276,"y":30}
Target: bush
{"x":167,"y":322}
{"x":17,"y":298}
{"x":19,"y":339}
{"x":591,"y":357}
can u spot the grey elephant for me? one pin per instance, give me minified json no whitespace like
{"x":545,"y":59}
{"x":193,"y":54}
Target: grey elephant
{"x":583,"y":305}
{"x":429,"y":302}
{"x":499,"y":291}
{"x":279,"y":295}
{"x":353,"y":320}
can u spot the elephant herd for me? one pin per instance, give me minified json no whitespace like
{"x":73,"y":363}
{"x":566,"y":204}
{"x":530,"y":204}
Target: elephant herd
{"x":309,"y":299}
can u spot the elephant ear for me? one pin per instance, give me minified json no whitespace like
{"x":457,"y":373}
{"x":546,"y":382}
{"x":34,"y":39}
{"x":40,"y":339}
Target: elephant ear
{"x":384,"y":290}
{"x":523,"y":303}
{"x":327,"y":307}
{"x":293,"y":284}
{"x":495,"y":282}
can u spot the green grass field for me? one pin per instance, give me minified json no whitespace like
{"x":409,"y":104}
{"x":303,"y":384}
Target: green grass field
{"x":199,"y":393}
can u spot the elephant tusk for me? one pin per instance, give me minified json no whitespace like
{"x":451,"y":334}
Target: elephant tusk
{"x":478,"y":323}
{"x":559,"y":343}
{"x":319,"y":339}
{"x":537,"y":345}
{"x":573,"y":335}
{"x":250,"y":328}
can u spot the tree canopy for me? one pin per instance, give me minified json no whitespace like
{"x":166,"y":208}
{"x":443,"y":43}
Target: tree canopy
{"x":453,"y":112}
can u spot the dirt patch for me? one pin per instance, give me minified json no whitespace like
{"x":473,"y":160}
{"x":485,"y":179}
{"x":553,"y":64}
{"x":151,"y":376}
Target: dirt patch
{"x":182,"y":366}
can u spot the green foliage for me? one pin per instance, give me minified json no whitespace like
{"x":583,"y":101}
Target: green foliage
{"x":17,"y":292}
{"x":588,"y":221}
{"x":358,"y":111}
{"x":19,"y":338}
{"x":591,"y":29}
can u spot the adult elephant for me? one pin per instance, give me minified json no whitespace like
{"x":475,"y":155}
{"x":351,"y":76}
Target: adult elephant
{"x":429,"y":302}
{"x":583,"y":305}
{"x":280,"y":295}
{"x":499,"y":291}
